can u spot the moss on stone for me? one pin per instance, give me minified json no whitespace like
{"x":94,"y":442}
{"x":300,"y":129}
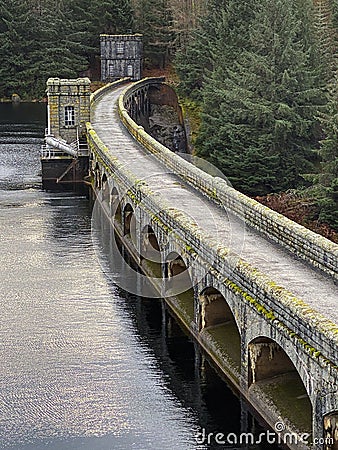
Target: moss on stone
{"x":289,"y":396}
{"x":227,"y":339}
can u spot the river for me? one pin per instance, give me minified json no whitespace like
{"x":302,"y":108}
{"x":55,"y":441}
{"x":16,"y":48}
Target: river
{"x":84,"y":365}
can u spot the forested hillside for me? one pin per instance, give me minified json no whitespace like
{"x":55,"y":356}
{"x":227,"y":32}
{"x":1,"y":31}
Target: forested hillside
{"x":262,"y":74}
{"x":43,"y":38}
{"x":40,"y":38}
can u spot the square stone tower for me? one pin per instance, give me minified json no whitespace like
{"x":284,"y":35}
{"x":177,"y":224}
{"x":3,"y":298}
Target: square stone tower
{"x":121,"y":56}
{"x":68,"y":107}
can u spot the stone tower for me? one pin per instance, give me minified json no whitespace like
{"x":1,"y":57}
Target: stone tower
{"x":68,"y":108}
{"x":121,"y":56}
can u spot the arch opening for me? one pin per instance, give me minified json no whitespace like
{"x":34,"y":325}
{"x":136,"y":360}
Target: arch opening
{"x":217,"y":321}
{"x":267,"y":360}
{"x":128,"y":219}
{"x":272,"y":372}
{"x":214,"y":309}
{"x":175,"y":266}
{"x":179,"y":284}
{"x":331,"y":431}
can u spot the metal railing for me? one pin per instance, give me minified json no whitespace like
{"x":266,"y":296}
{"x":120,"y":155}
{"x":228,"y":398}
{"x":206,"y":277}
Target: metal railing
{"x":48,"y":151}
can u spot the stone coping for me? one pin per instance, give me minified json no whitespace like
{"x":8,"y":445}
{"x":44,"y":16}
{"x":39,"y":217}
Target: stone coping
{"x":107,"y":88}
{"x":286,"y":311}
{"x":302,"y":242}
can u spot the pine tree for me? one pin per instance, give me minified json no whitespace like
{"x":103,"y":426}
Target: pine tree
{"x":328,"y":179}
{"x":16,"y":38}
{"x":114,"y":17}
{"x":91,"y":18}
{"x":324,"y":183}
{"x":223,"y":26}
{"x":259,"y":103}
{"x":43,"y":38}
{"x":57,"y":51}
{"x":153,"y":19}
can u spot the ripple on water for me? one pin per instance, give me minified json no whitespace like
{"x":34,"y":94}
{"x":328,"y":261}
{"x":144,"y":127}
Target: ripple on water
{"x":73,"y":365}
{"x":76,"y":372}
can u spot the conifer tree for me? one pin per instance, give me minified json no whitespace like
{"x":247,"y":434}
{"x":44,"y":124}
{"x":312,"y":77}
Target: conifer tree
{"x":43,"y":38}
{"x":224,"y":26}
{"x":324,"y":183}
{"x":57,"y":51}
{"x":153,"y":19}
{"x":16,"y":39}
{"x":197,"y":57}
{"x":91,"y":18}
{"x":328,"y":179}
{"x":260,"y":101}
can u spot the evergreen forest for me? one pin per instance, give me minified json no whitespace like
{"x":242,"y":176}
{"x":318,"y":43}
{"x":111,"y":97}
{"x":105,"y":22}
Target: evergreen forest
{"x":260,"y":77}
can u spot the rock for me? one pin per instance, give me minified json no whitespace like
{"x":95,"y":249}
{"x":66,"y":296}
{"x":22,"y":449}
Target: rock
{"x":165,"y":127}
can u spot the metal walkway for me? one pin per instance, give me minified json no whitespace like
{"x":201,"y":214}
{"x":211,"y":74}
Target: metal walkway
{"x":298,"y":277}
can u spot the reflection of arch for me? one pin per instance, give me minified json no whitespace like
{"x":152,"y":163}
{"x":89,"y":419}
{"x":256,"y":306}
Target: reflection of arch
{"x":97,"y":176}
{"x":217,"y":320}
{"x":128,"y":214}
{"x":272,"y":369}
{"x":331,"y":431}
{"x":115,"y":206}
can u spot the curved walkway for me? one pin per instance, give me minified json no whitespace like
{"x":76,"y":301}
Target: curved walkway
{"x":279,"y":264}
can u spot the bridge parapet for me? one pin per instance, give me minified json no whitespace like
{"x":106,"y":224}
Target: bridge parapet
{"x":315,"y":334}
{"x":266,"y":317}
{"x":96,"y":95}
{"x":315,"y":249}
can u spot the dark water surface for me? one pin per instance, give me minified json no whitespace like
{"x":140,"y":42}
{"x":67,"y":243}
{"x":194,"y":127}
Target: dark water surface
{"x":83,"y":365}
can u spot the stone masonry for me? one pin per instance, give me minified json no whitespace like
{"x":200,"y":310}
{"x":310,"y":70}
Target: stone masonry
{"x":121,"y":56}
{"x":285,"y":332}
{"x":68,"y":107}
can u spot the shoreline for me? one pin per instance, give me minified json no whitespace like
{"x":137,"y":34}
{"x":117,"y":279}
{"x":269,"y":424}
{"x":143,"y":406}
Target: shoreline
{"x":17,"y":102}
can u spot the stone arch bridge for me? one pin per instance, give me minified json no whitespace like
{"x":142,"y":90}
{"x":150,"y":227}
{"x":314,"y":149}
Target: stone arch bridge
{"x":257,"y":291}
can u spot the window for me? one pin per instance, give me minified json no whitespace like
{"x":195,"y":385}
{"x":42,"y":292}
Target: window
{"x":69,"y":116}
{"x":129,"y":70}
{"x":120,"y":48}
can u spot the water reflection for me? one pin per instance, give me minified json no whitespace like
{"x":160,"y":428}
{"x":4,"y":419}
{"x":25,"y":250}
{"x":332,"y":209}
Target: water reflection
{"x":21,"y":130}
{"x":83,"y":364}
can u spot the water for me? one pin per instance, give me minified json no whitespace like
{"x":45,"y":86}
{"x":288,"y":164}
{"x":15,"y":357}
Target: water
{"x":83,"y":364}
